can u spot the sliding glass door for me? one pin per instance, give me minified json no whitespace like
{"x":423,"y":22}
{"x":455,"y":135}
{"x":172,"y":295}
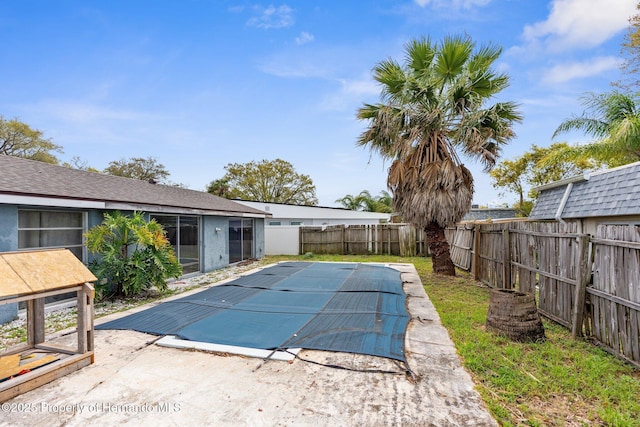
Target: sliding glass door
{"x":183,"y":233}
{"x":240,"y":240}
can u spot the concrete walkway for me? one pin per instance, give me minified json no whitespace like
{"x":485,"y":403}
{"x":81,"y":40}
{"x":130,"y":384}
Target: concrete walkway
{"x":136,"y":382}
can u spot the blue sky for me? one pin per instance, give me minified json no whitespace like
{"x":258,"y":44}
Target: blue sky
{"x":198,"y":84}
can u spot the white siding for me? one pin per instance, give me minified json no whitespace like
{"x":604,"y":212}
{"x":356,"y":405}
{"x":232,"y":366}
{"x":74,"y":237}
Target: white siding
{"x":282,"y":240}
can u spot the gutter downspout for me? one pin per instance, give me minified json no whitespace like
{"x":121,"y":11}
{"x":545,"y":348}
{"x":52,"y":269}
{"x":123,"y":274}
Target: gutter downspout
{"x":563,"y":203}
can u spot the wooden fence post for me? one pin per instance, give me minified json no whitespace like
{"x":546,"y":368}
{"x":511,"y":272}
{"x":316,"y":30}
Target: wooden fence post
{"x":344,"y":227}
{"x":300,"y":241}
{"x":506,"y":260}
{"x":476,"y":251}
{"x":582,"y":279}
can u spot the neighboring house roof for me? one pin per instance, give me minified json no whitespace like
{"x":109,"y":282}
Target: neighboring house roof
{"x":486,"y":213}
{"x":612,"y":192}
{"x":30,"y":182}
{"x":282,"y":210}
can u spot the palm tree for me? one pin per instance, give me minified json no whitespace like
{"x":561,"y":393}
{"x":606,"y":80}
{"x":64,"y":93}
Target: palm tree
{"x":613,"y":119}
{"x":350,"y":202}
{"x":432,"y":105}
{"x":384,"y":202}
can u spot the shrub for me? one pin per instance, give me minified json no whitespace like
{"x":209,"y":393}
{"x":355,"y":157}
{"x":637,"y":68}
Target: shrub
{"x":134,"y":255}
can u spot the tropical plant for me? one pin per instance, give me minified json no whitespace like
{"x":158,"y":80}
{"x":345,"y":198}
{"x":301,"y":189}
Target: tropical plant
{"x":350,"y":202}
{"x":367,"y":203}
{"x":133,"y":255}
{"x":432,"y":105}
{"x":613,"y":119}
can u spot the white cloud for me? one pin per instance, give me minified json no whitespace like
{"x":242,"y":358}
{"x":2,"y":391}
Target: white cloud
{"x":272,"y":17}
{"x":351,"y":93}
{"x":283,"y":66}
{"x":576,"y":70}
{"x":78,"y":112}
{"x":366,"y":86}
{"x":580,"y":23}
{"x":455,"y":4}
{"x":304,"y":38}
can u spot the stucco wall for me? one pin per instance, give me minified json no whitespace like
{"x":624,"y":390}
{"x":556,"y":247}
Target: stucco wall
{"x":8,"y":242}
{"x":215,"y":244}
{"x":258,"y":238}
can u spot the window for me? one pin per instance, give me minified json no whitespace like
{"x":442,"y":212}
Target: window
{"x":275,"y":223}
{"x":50,"y":230}
{"x":295,"y":222}
{"x":183,"y":233}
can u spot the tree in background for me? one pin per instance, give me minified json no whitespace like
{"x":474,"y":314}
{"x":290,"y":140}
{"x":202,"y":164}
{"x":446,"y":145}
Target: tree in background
{"x":631,"y":52}
{"x":139,"y":168}
{"x":613,"y":119}
{"x":274,"y":181}
{"x":527,"y":171}
{"x":367,"y":203}
{"x":79,"y":164}
{"x":219,"y":187}
{"x":19,"y":140}
{"x":134,"y":255}
{"x":431,"y":106}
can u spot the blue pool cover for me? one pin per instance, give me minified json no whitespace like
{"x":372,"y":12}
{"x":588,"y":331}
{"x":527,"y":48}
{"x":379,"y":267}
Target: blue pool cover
{"x":348,"y":307}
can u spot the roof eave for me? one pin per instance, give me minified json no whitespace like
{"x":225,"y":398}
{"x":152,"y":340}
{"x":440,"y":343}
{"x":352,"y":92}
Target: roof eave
{"x":578,"y":178}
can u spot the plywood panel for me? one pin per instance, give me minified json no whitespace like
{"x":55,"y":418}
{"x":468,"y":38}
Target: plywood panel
{"x":39,"y":271}
{"x":10,"y":282}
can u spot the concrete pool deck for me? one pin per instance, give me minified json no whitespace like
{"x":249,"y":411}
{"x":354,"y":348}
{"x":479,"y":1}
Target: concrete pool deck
{"x":134,"y":381}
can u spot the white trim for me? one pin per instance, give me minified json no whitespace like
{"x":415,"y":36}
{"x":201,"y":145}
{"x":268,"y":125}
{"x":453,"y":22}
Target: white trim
{"x":173,"y":342}
{"x":554,"y":184}
{"x":176,"y":210}
{"x":563,"y":202}
{"x":50,"y":201}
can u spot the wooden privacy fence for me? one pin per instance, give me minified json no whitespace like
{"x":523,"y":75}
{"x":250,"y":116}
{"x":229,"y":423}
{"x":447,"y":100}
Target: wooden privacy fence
{"x":379,"y":239}
{"x":588,"y":284}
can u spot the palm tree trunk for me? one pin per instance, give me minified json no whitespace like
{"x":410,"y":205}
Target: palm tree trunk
{"x":439,"y":248}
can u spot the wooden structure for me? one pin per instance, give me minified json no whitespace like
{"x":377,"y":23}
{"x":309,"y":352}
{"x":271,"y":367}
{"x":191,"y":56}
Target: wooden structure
{"x":30,"y":277}
{"x":378,"y":239}
{"x":588,"y":284}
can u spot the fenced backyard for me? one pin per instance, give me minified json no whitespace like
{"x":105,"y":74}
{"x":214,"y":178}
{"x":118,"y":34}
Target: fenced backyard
{"x":376,"y":239}
{"x":590,"y":285}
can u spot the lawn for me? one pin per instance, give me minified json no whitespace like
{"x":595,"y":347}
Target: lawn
{"x":560,"y":382}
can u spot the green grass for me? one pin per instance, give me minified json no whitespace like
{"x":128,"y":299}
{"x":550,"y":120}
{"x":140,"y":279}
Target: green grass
{"x":559,"y":382}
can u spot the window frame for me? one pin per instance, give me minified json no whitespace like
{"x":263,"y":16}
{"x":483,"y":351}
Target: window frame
{"x":82,"y":228}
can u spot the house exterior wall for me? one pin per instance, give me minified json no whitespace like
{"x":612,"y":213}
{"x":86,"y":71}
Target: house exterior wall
{"x":8,"y":228}
{"x":315,"y":215}
{"x":8,"y":242}
{"x":590,"y":225}
{"x":215,"y":244}
{"x":259,"y":238}
{"x":214,"y":251}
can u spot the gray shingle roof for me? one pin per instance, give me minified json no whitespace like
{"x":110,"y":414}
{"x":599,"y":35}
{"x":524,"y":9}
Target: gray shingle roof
{"x":612,"y":192}
{"x":30,"y":178}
